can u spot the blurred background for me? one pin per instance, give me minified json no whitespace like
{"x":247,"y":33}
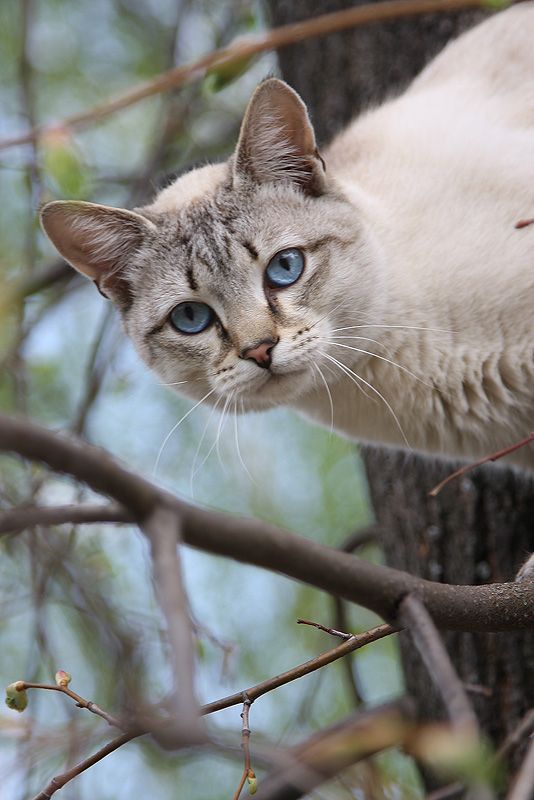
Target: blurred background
{"x":82,"y":600}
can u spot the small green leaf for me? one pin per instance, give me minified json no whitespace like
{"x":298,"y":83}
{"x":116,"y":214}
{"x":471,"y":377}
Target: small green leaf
{"x":64,"y":165}
{"x":227,"y":72}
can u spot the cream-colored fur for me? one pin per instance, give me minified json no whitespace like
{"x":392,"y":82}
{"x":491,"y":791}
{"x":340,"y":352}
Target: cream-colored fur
{"x":441,"y":175}
{"x":412,"y":257}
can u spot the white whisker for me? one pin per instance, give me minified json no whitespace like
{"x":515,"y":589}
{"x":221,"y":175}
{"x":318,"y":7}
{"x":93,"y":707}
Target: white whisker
{"x":342,"y":367}
{"x":220,"y":429}
{"x":362,"y":339}
{"x":403,"y":327}
{"x":382,"y":358}
{"x":330,"y":311}
{"x":175,"y":383}
{"x":327,"y":387}
{"x":238,"y":448}
{"x":194,"y":472}
{"x":174,"y":428}
{"x":372,"y":388}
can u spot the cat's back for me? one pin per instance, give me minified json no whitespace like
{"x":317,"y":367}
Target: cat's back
{"x":494,"y":60}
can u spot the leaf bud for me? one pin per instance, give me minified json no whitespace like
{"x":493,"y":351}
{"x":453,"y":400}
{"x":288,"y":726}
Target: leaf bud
{"x":16,"y":696}
{"x":63,"y":678}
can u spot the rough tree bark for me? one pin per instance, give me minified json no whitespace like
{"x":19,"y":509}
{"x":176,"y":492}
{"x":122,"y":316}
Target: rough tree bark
{"x":480,"y":528}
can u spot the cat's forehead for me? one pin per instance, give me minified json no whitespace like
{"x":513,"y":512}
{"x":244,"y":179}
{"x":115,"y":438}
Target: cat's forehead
{"x":208,"y":224}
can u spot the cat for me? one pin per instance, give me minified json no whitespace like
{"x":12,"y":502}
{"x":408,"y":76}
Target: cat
{"x":381,"y":288}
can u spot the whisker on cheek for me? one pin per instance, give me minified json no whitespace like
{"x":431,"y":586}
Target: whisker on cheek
{"x":175,"y":427}
{"x":194,"y":472}
{"x":353,"y":375}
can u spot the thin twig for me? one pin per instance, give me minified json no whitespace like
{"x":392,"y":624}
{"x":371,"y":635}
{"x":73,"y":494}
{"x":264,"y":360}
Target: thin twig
{"x":414,"y":616}
{"x":244,"y":48}
{"x":60,"y":780}
{"x":81,"y":702}
{"x":328,"y":657}
{"x":245,"y":744}
{"x":493,"y":457}
{"x":331,"y":631}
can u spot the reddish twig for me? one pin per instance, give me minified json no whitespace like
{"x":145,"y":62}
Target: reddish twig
{"x":523,"y":223}
{"x":245,"y":48}
{"x":493,"y":457}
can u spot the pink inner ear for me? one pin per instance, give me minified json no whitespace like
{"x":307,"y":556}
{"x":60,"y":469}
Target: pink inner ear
{"x":97,"y":240}
{"x":277,"y":142}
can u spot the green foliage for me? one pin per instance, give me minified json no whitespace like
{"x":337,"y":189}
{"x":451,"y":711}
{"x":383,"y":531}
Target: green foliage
{"x":66,"y":172}
{"x":225,"y":73}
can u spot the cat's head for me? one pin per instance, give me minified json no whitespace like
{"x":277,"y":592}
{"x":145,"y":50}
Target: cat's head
{"x":234,"y":278}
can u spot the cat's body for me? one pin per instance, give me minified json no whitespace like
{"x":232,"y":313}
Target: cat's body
{"x":408,"y":241}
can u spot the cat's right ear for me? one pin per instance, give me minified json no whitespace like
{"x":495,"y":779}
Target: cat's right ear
{"x":277,"y":142}
{"x":98,"y":241}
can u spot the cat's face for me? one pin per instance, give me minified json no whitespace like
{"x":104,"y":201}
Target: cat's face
{"x":231,"y":283}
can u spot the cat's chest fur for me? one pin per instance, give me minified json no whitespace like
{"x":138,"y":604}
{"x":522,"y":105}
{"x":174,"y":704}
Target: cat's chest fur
{"x":442,"y":175}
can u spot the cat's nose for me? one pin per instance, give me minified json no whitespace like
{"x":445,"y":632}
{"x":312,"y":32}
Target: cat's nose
{"x":260,"y":353}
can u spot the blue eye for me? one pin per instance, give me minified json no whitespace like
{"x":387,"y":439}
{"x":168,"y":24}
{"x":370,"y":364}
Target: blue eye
{"x":285,"y":268}
{"x":191,"y":317}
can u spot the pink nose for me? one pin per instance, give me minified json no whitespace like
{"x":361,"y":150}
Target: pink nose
{"x":260,"y":353}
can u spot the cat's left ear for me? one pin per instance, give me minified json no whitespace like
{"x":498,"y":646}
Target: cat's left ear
{"x":99,"y":241}
{"x":277,"y":142}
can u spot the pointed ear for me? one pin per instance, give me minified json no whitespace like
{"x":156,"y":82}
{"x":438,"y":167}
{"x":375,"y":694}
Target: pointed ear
{"x":97,"y":240}
{"x":277,"y":142}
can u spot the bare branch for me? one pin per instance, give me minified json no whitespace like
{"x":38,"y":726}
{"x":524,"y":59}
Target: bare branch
{"x":18,"y":519}
{"x":244,"y":48}
{"x":414,"y":616}
{"x":493,"y":607}
{"x":354,"y":643}
{"x":162,"y":532}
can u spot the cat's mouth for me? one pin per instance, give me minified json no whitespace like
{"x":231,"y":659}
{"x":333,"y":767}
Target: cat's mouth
{"x":276,"y":387}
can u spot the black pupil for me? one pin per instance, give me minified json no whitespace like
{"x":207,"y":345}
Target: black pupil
{"x":189,"y":312}
{"x":285,"y":263}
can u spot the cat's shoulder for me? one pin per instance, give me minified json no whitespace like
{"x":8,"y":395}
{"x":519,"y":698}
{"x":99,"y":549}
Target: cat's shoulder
{"x":497,"y":49}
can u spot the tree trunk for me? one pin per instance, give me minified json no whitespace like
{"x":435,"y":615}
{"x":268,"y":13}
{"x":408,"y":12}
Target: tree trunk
{"x":481,"y":528}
